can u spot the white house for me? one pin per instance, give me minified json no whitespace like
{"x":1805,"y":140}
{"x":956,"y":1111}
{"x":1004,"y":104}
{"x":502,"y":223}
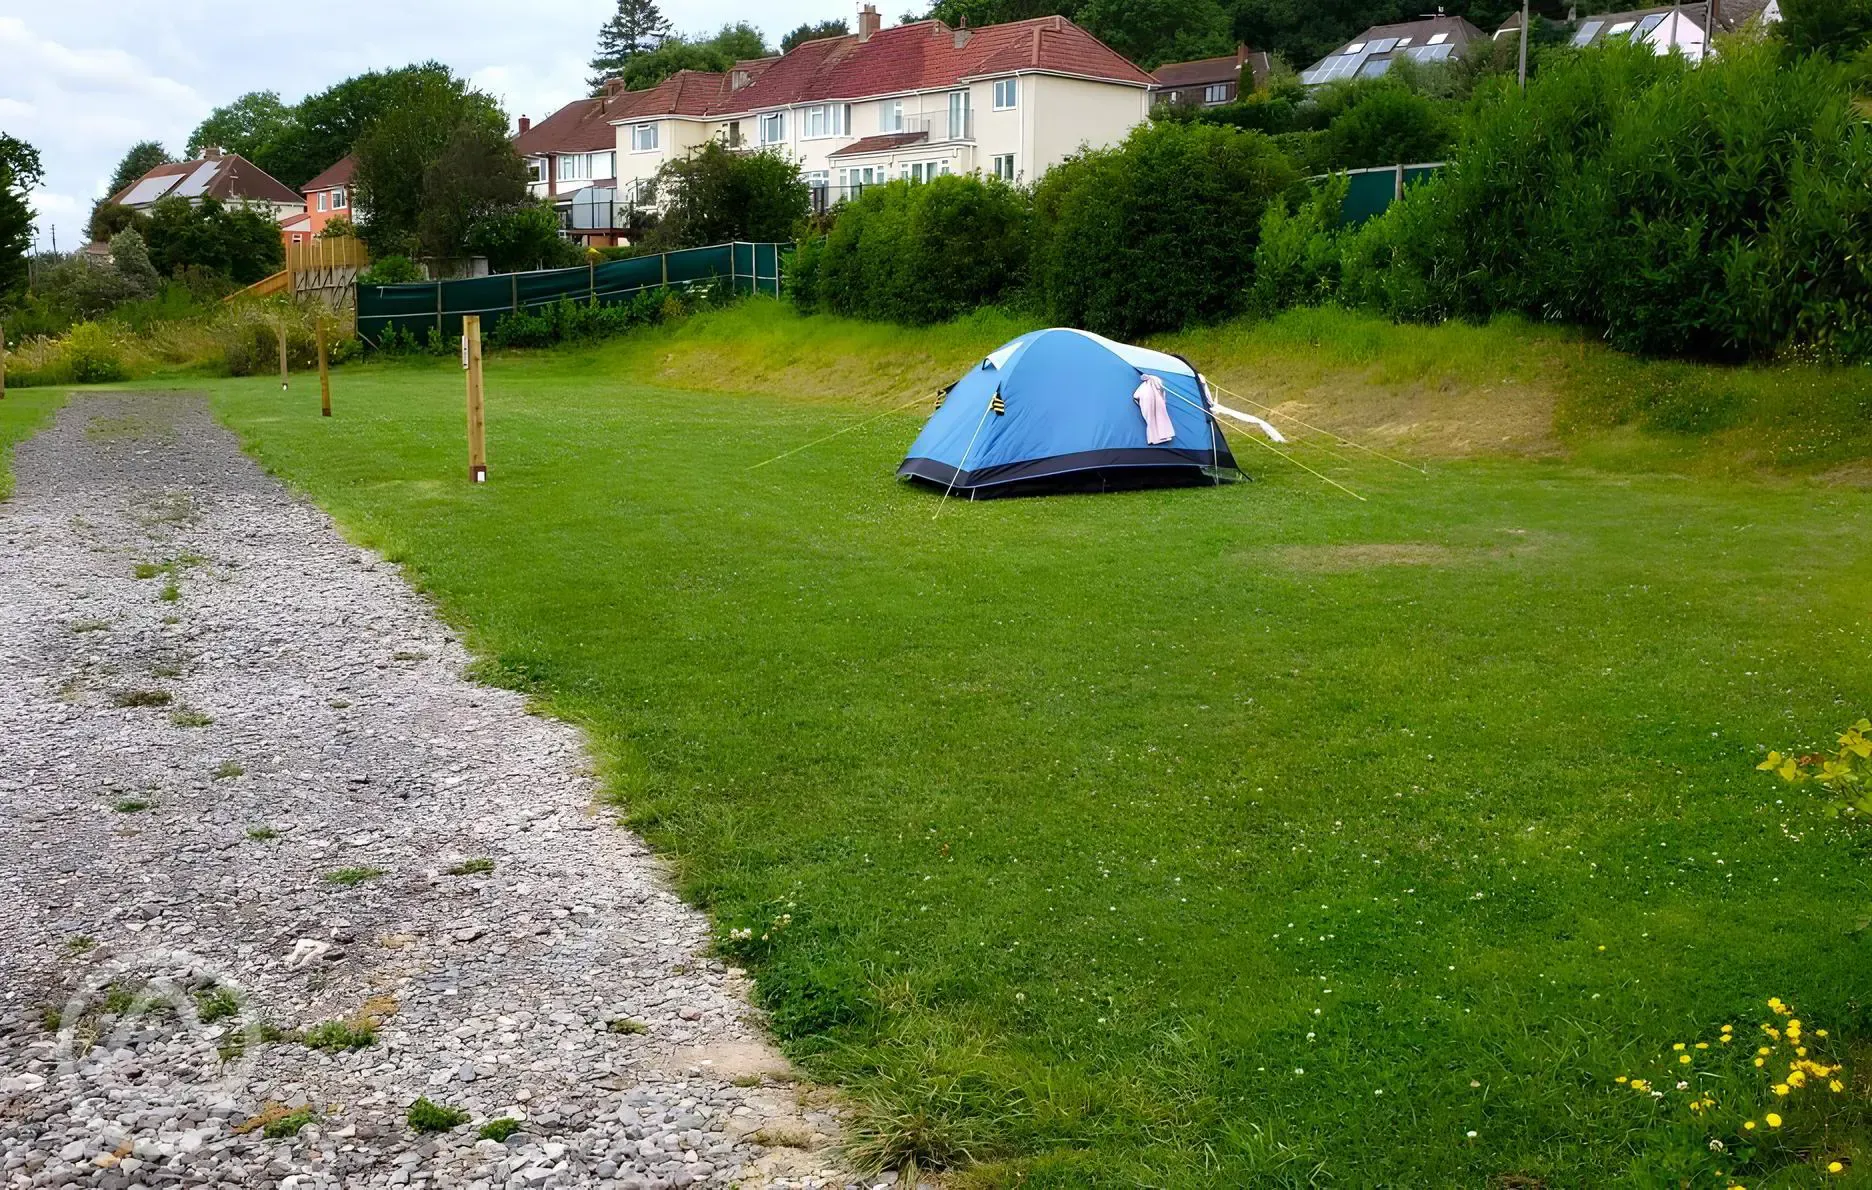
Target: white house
{"x":914,"y":101}
{"x":227,"y":177}
{"x":1679,"y":28}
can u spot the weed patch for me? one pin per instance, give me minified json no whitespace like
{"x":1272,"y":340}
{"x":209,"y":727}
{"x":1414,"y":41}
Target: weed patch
{"x":339,"y":1035}
{"x":472,"y":867}
{"x":187,"y":717}
{"x":427,"y":1116}
{"x":262,"y":833}
{"x":141,"y":698}
{"x":499,"y":1129}
{"x":352,"y":877}
{"x":227,"y":770}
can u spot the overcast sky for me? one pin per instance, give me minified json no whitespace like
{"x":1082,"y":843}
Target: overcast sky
{"x":82,"y":80}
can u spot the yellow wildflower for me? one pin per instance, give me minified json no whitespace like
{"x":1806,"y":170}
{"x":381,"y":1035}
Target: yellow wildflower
{"x":1774,"y":1121}
{"x":1678,"y":1046}
{"x":1780,"y":1088}
{"x":1819,"y":1032}
{"x":1765,"y":1050}
{"x":1702,"y":1045}
{"x":1621,"y":1079}
{"x":1836,"y":1086}
{"x":1685,"y":1059}
{"x":1761,"y":1061}
{"x":1748,"y":1126}
{"x":1835,"y":1167}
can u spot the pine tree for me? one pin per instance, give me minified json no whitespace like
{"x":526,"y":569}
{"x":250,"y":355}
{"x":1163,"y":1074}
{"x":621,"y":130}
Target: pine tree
{"x":638,"y":28}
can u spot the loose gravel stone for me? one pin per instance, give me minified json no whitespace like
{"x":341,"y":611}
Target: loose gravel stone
{"x":193,"y":883}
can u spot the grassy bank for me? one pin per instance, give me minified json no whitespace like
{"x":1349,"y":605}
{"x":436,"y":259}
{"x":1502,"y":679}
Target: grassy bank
{"x":21,"y":414}
{"x":1248,"y":835}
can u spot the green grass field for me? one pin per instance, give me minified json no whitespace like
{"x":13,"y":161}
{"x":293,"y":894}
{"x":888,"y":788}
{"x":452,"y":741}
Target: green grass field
{"x":1237,"y":836}
{"x":21,"y":413}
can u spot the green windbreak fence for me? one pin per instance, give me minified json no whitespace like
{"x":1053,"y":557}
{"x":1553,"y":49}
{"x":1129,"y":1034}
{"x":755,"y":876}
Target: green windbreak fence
{"x":1370,"y":191}
{"x":439,"y":305}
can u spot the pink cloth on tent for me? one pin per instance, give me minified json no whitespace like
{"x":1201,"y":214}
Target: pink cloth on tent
{"x":1156,"y":411}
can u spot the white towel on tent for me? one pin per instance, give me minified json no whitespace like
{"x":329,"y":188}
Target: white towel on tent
{"x":1156,"y":410}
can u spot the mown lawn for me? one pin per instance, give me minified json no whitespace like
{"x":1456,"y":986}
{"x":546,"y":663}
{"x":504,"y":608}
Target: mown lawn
{"x":1237,"y":836}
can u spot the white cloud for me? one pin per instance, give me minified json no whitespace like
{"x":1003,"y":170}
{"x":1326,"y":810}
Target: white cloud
{"x":82,"y":80}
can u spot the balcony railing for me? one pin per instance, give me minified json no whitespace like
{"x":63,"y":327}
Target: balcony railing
{"x":943,"y":126}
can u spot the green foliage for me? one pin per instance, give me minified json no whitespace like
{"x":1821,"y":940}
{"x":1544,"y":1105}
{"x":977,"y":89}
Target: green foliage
{"x":391,"y":270}
{"x":249,"y":331}
{"x":1152,"y":32}
{"x":335,"y":1036}
{"x":1388,"y":126}
{"x":238,"y":243}
{"x":571,"y":321}
{"x":108,"y":218}
{"x":131,"y":261}
{"x":92,"y":356}
{"x":428,"y":114}
{"x":713,"y":196}
{"x":427,"y":1116}
{"x":1157,"y":233}
{"x":1832,"y":28}
{"x":1843,"y":769}
{"x":637,"y":27}
{"x":919,"y":252}
{"x":250,"y":126}
{"x":20,"y":171}
{"x":499,"y":1130}
{"x":288,"y":1126}
{"x":813,"y":32}
{"x":477,"y":177}
{"x":521,"y":237}
{"x":1296,"y":262}
{"x":1723,"y":211}
{"x":328,"y":124}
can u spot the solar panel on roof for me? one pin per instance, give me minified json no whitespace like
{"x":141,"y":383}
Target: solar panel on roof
{"x":1430,"y":53}
{"x":196,"y":183}
{"x":1374,"y":67}
{"x":150,"y":189}
{"x":1438,"y":38}
{"x":1587,"y":31}
{"x":1651,"y":22}
{"x":1384,"y":45}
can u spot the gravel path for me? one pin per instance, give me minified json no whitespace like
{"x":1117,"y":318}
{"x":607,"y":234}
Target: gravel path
{"x":246,"y":791}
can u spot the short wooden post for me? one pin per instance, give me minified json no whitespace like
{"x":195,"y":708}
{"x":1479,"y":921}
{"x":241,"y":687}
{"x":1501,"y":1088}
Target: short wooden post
{"x":2,"y":363}
{"x":282,"y":338}
{"x":477,"y":426}
{"x":324,"y":372}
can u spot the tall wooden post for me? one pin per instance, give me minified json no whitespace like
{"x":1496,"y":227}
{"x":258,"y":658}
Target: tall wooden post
{"x":282,"y":338}
{"x":2,"y":363}
{"x":324,"y":371}
{"x":477,"y":426}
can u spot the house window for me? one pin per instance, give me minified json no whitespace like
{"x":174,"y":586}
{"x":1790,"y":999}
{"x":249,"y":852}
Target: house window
{"x":958,"y":115}
{"x":536,"y":169}
{"x":921,"y":171}
{"x":1355,"y":48}
{"x":573,"y":166}
{"x":1006,"y":94}
{"x":773,"y":128}
{"x":339,"y":199}
{"x":1437,"y":39}
{"x":643,"y":138}
{"x":891,"y":116}
{"x":1003,"y":166}
{"x":603,"y":165}
{"x":1215,"y":93}
{"x":298,"y":239}
{"x":321,"y":200}
{"x":828,"y":119}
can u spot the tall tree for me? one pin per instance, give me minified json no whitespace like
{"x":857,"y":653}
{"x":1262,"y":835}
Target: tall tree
{"x":1152,"y":32}
{"x":20,"y":172}
{"x":811,"y":32}
{"x":1835,"y":28}
{"x":477,"y":175}
{"x":425,"y":112}
{"x":253,"y":126}
{"x":328,"y":124}
{"x":143,"y":156}
{"x":637,"y":27}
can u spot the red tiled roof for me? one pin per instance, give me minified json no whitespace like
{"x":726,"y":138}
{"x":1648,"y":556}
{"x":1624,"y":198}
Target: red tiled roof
{"x":880,"y":144}
{"x":584,"y":125}
{"x":334,"y":177}
{"x":1204,"y":70}
{"x":235,"y":179}
{"x":925,"y":56}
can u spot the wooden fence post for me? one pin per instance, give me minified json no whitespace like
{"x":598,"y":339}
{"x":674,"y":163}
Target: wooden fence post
{"x":477,"y":426}
{"x":282,"y":338}
{"x":2,"y":363}
{"x":324,"y":371}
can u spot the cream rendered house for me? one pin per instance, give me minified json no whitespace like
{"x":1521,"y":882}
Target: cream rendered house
{"x":914,"y":101}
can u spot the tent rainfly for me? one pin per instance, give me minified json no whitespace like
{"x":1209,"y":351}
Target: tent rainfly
{"x":1066,"y":410}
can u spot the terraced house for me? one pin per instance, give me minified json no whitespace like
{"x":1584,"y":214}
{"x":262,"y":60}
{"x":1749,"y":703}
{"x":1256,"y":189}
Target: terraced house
{"x":915,"y":101}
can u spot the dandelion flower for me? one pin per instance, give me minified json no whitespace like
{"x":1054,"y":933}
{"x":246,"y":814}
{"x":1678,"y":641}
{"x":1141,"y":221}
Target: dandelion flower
{"x":1774,"y":1121}
{"x":1836,"y":1086}
{"x":1761,"y":1061}
{"x":1748,"y":1126}
{"x":1780,"y":1088}
{"x":1685,"y":1059}
{"x":1835,"y":1167}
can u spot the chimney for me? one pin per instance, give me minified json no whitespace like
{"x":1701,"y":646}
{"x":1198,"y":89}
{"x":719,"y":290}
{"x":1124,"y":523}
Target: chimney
{"x":739,"y":79}
{"x":211,"y":152}
{"x":613,"y":88}
{"x":962,"y":34}
{"x":869,"y":22}
{"x":526,"y":125}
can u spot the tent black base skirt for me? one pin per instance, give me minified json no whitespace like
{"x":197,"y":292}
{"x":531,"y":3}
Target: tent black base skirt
{"x":1088,"y":471}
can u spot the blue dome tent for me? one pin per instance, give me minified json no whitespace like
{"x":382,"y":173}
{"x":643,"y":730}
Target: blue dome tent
{"x":1055,"y":410}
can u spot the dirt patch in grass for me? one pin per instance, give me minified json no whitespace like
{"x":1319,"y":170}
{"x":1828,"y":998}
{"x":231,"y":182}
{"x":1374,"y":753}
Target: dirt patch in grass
{"x":1333,"y":559}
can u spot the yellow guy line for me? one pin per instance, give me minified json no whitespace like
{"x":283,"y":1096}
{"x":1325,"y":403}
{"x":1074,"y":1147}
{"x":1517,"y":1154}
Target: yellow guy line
{"x":1273,"y":412}
{"x":848,"y":429}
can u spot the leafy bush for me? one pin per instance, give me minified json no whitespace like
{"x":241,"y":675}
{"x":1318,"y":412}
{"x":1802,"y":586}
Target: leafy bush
{"x":92,"y":356}
{"x":1297,"y":260}
{"x":1157,"y":233}
{"x":713,"y":196}
{"x":240,"y":244}
{"x":1834,"y":28}
{"x":522,"y":237}
{"x":391,"y":270}
{"x":1388,"y":126}
{"x":249,"y":334}
{"x":920,"y":252}
{"x":573,"y":321}
{"x":428,"y":1116}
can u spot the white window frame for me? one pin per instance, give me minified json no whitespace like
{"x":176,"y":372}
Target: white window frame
{"x":1215,"y":93}
{"x":891,"y":115}
{"x":574,"y":167}
{"x":824,"y":121}
{"x":322,"y":199}
{"x":642,"y":143}
{"x":1437,"y":39}
{"x":1355,"y":47}
{"x":608,"y":170}
{"x":1006,"y":94}
{"x":339,"y":200}
{"x":1002,"y":164}
{"x":776,"y":121}
{"x":958,"y":115}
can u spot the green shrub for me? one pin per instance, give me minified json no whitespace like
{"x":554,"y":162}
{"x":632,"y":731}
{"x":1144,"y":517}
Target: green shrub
{"x":920,"y":252}
{"x":428,"y":1116}
{"x":1388,"y":126}
{"x":391,"y":270}
{"x":571,"y":320}
{"x":1157,"y":233}
{"x":92,"y":356}
{"x":1297,"y":259}
{"x":249,"y":336}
